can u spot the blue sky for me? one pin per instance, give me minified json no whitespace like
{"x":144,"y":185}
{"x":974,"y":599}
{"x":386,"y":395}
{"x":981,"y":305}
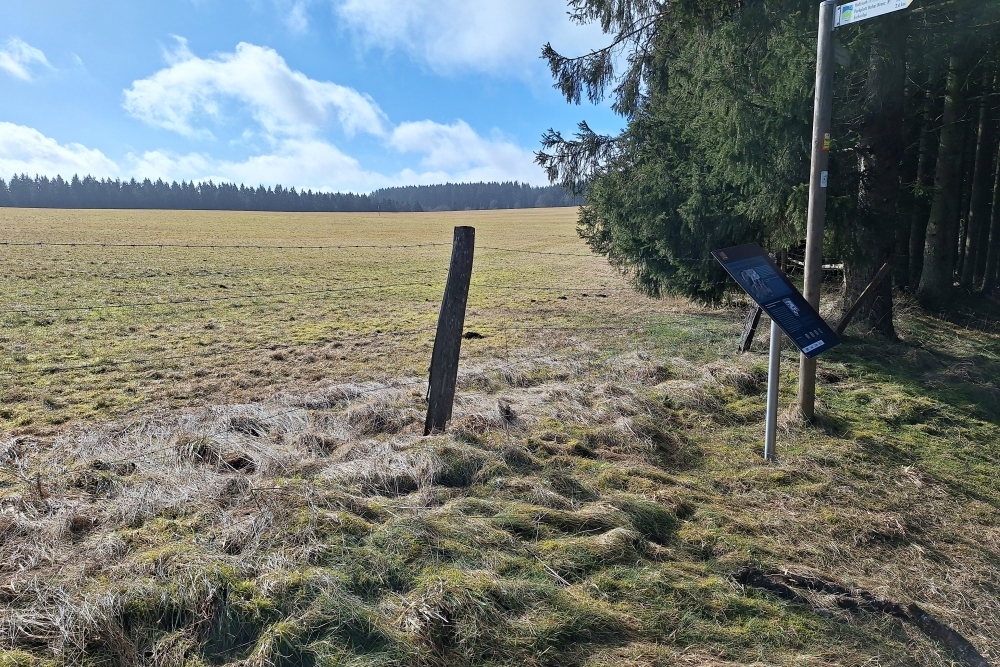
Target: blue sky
{"x":322,"y":94}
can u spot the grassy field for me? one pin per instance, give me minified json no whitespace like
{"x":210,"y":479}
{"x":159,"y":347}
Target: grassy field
{"x":200,"y":332}
{"x":235,"y":475}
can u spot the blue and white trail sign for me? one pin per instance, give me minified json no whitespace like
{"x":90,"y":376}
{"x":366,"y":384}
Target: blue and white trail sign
{"x":860,"y":10}
{"x":768,"y":285}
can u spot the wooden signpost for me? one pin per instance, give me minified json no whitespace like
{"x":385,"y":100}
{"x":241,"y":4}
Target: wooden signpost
{"x":831,"y":16}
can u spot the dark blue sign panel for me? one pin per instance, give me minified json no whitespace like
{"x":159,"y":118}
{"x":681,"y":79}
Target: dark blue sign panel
{"x":757,"y":273}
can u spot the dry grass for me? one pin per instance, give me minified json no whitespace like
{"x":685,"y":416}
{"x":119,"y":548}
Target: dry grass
{"x":246,"y":348}
{"x":587,"y":506}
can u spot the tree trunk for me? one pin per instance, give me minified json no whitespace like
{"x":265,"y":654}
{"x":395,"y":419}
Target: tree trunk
{"x":924,"y":182}
{"x":988,"y":179}
{"x":901,"y":247}
{"x":968,"y":166}
{"x":978,"y":201}
{"x":937,"y":280}
{"x":881,"y":149}
{"x":993,"y":253}
{"x":909,"y":168}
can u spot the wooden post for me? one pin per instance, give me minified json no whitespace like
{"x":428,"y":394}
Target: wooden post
{"x":749,"y":328}
{"x":448,"y":341}
{"x":819,"y":176}
{"x":846,"y":319}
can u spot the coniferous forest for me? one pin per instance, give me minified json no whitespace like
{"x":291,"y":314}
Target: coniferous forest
{"x":718,"y":98}
{"x":89,"y":192}
{"x":475,"y":196}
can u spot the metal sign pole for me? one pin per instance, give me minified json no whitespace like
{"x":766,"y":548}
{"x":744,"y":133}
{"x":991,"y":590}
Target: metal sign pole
{"x":818,"y":178}
{"x":773,"y":374}
{"x":790,"y":315}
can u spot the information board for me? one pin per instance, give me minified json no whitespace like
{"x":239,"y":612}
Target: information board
{"x":768,"y":285}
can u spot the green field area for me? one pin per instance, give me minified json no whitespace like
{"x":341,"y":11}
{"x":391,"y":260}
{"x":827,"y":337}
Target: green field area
{"x":214,"y":456}
{"x":215,"y":323}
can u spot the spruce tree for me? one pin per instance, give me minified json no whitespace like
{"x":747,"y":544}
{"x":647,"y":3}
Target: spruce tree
{"x":718,"y":101}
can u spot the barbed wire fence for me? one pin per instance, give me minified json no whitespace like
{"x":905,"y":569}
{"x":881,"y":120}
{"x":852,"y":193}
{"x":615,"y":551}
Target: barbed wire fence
{"x":502,"y":328}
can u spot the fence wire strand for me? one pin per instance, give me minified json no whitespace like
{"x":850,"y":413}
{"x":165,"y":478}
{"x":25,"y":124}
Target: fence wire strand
{"x":270,"y":346}
{"x":212,"y":246}
{"x":237,"y":297}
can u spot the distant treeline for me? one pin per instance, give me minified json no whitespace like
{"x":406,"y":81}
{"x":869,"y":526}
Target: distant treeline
{"x":476,"y":196}
{"x":89,"y":192}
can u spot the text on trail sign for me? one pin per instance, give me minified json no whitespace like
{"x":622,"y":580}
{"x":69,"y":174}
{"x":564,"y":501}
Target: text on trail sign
{"x":853,"y":12}
{"x":756,"y":272}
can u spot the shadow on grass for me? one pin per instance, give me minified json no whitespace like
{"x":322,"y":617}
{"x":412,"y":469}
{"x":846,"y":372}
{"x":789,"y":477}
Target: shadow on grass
{"x":973,"y":311}
{"x":964,"y":382}
{"x":947,"y":404}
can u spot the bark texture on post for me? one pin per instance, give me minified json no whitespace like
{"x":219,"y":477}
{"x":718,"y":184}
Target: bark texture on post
{"x":937,"y":278}
{"x":448,"y":341}
{"x":818,"y":179}
{"x":749,"y":328}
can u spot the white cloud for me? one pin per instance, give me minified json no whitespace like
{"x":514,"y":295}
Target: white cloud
{"x":25,"y":150}
{"x":283,"y":101}
{"x":168,"y":166}
{"x":294,"y":14}
{"x":297,"y":19}
{"x":301,"y":163}
{"x":17,"y":56}
{"x":289,"y":110}
{"x":457,"y":152}
{"x":452,"y":153}
{"x":496,"y":36}
{"x":284,"y":143}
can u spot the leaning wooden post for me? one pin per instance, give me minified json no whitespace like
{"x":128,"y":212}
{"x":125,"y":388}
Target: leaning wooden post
{"x":448,"y":341}
{"x":750,"y":328}
{"x":882,"y":274}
